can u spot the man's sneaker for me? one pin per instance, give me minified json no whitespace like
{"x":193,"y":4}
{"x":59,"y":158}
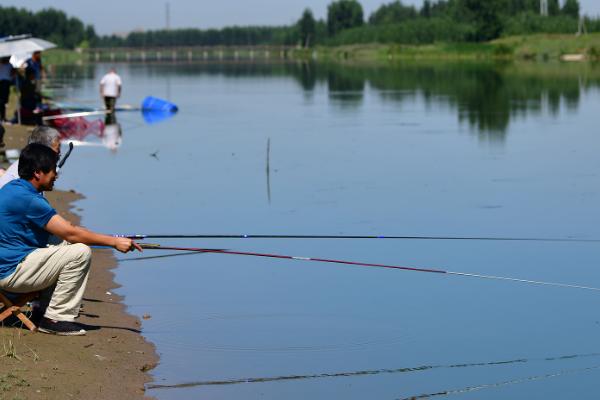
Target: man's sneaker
{"x":63,"y":328}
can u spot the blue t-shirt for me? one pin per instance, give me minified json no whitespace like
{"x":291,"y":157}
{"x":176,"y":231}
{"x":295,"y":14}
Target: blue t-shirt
{"x":36,"y":67}
{"x":24,"y":213}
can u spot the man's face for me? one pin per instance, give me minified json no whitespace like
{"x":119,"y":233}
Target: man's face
{"x":56,"y":147}
{"x":46,"y":180}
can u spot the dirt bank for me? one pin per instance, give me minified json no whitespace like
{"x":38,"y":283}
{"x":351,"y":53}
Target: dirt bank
{"x":110,"y":362}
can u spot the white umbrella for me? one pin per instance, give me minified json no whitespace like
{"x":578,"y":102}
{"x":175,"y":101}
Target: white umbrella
{"x":23,"y":44}
{"x":17,"y":60}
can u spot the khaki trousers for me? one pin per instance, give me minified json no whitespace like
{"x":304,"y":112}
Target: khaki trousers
{"x":60,"y":272}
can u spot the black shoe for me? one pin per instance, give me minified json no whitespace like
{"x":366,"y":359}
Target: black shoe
{"x":63,"y":328}
{"x":36,"y":315}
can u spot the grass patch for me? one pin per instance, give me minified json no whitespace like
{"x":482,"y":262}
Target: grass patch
{"x":538,"y":47}
{"x":9,"y":383}
{"x":9,"y":349}
{"x":62,"y":57}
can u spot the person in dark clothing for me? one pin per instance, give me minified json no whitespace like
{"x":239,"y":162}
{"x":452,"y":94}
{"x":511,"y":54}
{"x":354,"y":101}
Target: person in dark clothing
{"x":30,"y":100}
{"x":7,"y":74}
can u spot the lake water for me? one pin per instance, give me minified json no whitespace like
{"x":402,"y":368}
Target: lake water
{"x":448,"y":149}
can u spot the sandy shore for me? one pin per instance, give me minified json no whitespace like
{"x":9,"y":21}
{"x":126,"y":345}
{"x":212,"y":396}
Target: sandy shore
{"x":110,"y":362}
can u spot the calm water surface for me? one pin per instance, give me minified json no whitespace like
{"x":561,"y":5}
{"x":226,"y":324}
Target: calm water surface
{"x":453,"y":149}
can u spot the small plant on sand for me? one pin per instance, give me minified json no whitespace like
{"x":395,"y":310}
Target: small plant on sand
{"x":11,"y":383}
{"x":9,"y":349}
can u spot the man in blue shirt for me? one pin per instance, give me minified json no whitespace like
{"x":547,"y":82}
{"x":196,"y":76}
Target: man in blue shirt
{"x":34,"y":64}
{"x":27,"y":263}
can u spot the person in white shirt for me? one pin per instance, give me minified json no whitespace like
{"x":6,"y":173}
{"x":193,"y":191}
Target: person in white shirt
{"x":110,"y":89}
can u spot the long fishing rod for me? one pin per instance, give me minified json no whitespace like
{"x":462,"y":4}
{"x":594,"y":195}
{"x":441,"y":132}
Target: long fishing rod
{"x":75,"y":115}
{"x":413,"y":237}
{"x":151,"y":246}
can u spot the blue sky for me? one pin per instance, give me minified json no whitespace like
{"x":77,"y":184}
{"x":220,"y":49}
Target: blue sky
{"x":109,"y":16}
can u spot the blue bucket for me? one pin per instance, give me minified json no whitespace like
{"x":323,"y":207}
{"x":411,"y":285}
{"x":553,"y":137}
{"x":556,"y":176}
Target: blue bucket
{"x":152,"y":103}
{"x":156,"y":116}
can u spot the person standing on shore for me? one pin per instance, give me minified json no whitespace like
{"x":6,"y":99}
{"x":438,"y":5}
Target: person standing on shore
{"x":27,"y":263}
{"x":110,"y":89}
{"x":34,"y":65}
{"x":2,"y":144}
{"x":7,"y":74}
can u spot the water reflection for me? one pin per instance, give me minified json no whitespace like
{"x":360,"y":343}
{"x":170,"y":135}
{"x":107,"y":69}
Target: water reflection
{"x":84,"y":132}
{"x":96,"y":132}
{"x":112,"y":136}
{"x":486,"y":96}
{"x":345,"y":87}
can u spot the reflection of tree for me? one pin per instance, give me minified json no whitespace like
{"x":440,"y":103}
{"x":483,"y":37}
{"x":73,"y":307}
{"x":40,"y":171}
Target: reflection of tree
{"x":307,"y":76}
{"x":483,"y":105}
{"x":485,"y":96}
{"x":346,"y":87}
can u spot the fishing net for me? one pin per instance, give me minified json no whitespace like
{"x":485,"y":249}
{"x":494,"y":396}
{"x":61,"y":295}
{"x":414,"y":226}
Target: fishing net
{"x":78,"y":128}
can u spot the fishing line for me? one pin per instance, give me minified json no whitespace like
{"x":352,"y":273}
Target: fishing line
{"x":161,"y":256}
{"x":501,"y":384}
{"x":242,"y":236}
{"x":151,"y":246}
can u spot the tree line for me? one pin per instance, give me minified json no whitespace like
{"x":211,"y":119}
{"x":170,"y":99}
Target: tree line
{"x":50,"y":24}
{"x":345,"y":23}
{"x":451,"y":21}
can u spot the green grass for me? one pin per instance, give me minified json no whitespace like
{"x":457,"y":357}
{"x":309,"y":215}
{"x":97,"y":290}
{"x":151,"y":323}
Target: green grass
{"x":62,"y":57}
{"x":539,"y":47}
{"x":9,"y":383}
{"x":545,"y":46}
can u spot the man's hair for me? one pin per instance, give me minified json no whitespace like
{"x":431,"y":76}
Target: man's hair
{"x":44,"y":135}
{"x":36,"y":157}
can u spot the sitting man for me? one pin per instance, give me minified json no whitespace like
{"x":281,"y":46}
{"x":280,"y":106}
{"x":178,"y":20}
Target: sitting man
{"x":27,"y":264}
{"x":41,"y":134}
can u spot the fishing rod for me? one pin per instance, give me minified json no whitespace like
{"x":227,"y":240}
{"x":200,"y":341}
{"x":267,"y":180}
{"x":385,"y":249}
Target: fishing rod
{"x":75,"y":115}
{"x":64,"y":159}
{"x":413,"y":237}
{"x":151,"y":246}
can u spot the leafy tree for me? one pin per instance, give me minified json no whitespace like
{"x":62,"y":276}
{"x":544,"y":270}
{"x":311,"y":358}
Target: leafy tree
{"x":307,"y":28}
{"x":516,"y":7}
{"x":426,"y":9}
{"x":485,"y":16}
{"x":440,"y":9}
{"x":343,"y":14}
{"x":571,"y":8}
{"x":392,"y":13}
{"x":553,"y":7}
{"x":51,"y":24}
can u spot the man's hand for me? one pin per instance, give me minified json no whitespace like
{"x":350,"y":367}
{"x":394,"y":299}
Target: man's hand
{"x":62,"y":228}
{"x":125,"y":245}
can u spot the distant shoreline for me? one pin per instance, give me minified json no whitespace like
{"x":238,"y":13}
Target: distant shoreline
{"x":538,"y":47}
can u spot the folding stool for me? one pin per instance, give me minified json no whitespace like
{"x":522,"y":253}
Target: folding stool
{"x":13,"y":304}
